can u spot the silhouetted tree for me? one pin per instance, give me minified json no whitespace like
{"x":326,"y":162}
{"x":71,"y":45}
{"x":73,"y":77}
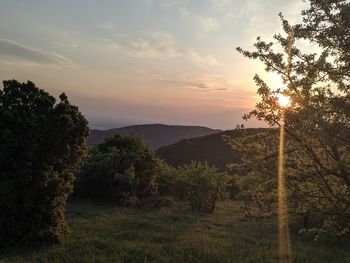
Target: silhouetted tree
{"x":41,"y":147}
{"x":317,"y":121}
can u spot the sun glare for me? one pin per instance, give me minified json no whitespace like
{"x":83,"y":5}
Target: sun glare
{"x":283,"y":101}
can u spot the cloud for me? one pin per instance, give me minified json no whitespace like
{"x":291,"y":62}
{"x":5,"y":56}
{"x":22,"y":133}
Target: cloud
{"x":230,"y":12}
{"x":208,"y":23}
{"x":221,"y":4}
{"x":161,"y":45}
{"x":162,"y":3}
{"x":205,"y":82}
{"x":200,"y":59}
{"x":105,"y":26}
{"x":258,"y":17}
{"x":205,"y":23}
{"x":11,"y":51}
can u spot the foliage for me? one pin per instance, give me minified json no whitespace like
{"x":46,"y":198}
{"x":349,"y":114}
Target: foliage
{"x":202,"y":185}
{"x":41,"y":147}
{"x":167,"y":177}
{"x":258,"y":173}
{"x":122,"y":168}
{"x":199,"y":183}
{"x":316,"y":122}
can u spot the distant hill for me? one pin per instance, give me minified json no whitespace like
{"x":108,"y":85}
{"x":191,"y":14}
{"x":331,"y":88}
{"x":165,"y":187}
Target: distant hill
{"x":211,"y":149}
{"x":157,"y":135}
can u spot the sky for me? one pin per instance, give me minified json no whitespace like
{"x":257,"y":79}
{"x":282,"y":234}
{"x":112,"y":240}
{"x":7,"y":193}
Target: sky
{"x":125,"y":62}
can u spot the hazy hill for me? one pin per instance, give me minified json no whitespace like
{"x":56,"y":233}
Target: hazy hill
{"x":211,"y":149}
{"x":157,"y":135}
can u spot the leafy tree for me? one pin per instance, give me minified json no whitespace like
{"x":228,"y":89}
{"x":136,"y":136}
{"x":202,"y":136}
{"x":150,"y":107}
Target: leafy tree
{"x":41,"y":146}
{"x":122,"y":168}
{"x":317,"y":121}
{"x":258,"y":173}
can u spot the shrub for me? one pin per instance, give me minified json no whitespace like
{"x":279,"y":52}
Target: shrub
{"x":41,"y":147}
{"x":166,"y":179}
{"x":202,"y":185}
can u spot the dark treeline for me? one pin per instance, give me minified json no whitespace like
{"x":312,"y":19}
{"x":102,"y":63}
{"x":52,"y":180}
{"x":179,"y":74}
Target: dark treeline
{"x":124,"y":170}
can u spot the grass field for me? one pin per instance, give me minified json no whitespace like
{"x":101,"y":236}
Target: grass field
{"x":113,"y":234}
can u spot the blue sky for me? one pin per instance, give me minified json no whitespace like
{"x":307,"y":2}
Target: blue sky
{"x":142,"y":61}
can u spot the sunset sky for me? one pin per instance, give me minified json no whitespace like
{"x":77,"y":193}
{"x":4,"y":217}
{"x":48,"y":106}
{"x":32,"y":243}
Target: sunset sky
{"x":142,"y":61}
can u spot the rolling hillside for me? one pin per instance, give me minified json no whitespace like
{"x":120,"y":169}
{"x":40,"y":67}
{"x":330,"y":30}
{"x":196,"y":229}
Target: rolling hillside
{"x":211,"y":149}
{"x":157,"y":135}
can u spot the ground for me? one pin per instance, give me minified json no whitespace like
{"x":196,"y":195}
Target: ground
{"x":101,"y":233}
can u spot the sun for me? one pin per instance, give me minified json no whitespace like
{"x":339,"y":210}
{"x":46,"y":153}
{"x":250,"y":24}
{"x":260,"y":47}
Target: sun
{"x":283,"y":100}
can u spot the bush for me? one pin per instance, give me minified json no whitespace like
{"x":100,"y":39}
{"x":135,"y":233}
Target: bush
{"x":202,"y":185}
{"x":166,"y":179}
{"x":41,"y":147}
{"x":120,"y":169}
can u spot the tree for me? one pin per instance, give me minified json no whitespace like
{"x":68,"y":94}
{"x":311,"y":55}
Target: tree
{"x":120,"y":168}
{"x":317,"y":122}
{"x":41,"y":147}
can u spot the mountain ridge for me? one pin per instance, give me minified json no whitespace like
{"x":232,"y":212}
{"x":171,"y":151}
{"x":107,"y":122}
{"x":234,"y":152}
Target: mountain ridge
{"x":157,"y":135}
{"x":212,"y":149}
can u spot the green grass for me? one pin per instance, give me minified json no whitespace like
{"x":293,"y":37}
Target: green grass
{"x":102,"y":233}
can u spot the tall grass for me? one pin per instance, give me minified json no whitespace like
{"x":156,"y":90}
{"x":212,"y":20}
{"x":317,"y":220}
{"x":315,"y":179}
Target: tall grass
{"x":101,"y":233}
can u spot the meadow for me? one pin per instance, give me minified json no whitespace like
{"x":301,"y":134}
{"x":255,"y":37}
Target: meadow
{"x":106,"y":233}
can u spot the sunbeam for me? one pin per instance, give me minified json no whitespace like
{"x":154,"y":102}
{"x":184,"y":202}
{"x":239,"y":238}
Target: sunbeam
{"x":285,"y":251}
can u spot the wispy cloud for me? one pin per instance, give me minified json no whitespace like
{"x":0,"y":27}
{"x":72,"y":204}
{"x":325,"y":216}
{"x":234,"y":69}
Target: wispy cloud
{"x":259,"y":17}
{"x":228,"y":11}
{"x":162,"y":3}
{"x":208,"y":23}
{"x":201,"y":82}
{"x":205,"y":23}
{"x":161,"y":45}
{"x":105,"y":26}
{"x":13,"y":52}
{"x":221,"y":4}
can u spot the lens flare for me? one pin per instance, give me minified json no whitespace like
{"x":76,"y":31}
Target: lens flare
{"x":285,"y":251}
